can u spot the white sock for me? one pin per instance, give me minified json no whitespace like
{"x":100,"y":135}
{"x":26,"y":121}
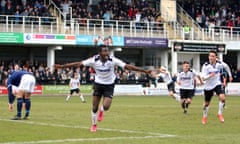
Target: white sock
{"x":220,"y":107}
{"x":205,"y":111}
{"x":81,"y":97}
{"x":94,"y":118}
{"x":68,"y":97}
{"x":177,"y":97}
{"x":101,"y":108}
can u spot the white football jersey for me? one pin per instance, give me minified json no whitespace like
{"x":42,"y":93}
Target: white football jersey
{"x":104,"y":71}
{"x":167,"y":78}
{"x":186,"y":79}
{"x":74,"y":83}
{"x":207,"y":69}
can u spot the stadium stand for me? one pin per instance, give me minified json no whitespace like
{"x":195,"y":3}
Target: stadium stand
{"x":10,"y":7}
{"x":19,"y":8}
{"x":213,"y":13}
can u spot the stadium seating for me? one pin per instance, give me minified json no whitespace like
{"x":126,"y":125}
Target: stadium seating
{"x":213,"y":13}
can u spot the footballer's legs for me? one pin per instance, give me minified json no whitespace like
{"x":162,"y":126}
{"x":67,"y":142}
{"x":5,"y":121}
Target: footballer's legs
{"x":81,"y":97}
{"x":174,"y":95}
{"x":107,"y":101}
{"x":205,"y":112}
{"x":221,"y":107}
{"x":187,"y":103}
{"x":28,"y":105}
{"x":19,"y":96}
{"x":95,"y":103}
{"x":207,"y":98}
{"x":68,"y":96}
{"x":184,"y":106}
{"x":188,"y":95}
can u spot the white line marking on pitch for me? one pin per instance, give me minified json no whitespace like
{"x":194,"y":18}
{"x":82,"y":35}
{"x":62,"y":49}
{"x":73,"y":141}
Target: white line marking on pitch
{"x":150,"y":134}
{"x":84,"y":139}
{"x":82,"y":127}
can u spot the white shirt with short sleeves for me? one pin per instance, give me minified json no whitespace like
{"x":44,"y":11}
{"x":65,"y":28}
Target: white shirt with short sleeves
{"x":207,"y":69}
{"x":186,"y":79}
{"x":74,"y":83}
{"x":104,"y":72}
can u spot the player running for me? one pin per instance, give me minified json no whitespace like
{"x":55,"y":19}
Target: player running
{"x":167,"y":78}
{"x":103,"y":65}
{"x":225,"y":73}
{"x":186,"y":80}
{"x":211,"y":73}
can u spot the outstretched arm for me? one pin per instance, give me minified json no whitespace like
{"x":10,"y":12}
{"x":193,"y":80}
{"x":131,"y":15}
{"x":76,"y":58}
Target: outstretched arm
{"x":132,"y":67}
{"x":67,"y":65}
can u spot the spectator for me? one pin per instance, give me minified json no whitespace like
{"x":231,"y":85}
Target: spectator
{"x":3,"y":6}
{"x":17,"y":17}
{"x":107,"y":16}
{"x":9,"y":8}
{"x":65,"y":7}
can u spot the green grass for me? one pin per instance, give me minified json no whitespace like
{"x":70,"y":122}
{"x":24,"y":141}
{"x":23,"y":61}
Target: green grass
{"x":131,"y":119}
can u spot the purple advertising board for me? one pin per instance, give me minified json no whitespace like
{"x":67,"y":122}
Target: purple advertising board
{"x":145,"y":42}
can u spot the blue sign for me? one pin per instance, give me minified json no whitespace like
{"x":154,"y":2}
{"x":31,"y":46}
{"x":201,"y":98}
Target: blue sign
{"x":98,"y":39}
{"x":145,"y":42}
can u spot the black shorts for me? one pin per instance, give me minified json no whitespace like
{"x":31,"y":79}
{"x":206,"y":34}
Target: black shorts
{"x":186,"y":93}
{"x":103,"y":90}
{"x":171,"y":87}
{"x":77,"y":90}
{"x":219,"y":89}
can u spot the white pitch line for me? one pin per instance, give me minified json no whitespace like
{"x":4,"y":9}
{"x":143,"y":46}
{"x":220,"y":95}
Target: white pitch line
{"x":82,"y":127}
{"x":149,"y":135}
{"x":83,"y":139}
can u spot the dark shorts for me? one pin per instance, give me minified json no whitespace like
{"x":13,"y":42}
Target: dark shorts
{"x":77,"y":90}
{"x":171,"y":87}
{"x":103,"y":90}
{"x":219,"y":89}
{"x":186,"y":93}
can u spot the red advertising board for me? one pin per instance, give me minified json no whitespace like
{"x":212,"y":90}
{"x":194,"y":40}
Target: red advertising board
{"x":37,"y":90}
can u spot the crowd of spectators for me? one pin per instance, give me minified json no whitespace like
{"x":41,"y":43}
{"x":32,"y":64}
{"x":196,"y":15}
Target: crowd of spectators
{"x":213,"y":13}
{"x":44,"y":75}
{"x":21,"y":8}
{"x":139,"y":11}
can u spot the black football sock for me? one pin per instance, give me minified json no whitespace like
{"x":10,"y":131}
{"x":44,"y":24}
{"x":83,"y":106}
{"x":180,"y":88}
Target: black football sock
{"x":28,"y":106}
{"x":19,"y":107}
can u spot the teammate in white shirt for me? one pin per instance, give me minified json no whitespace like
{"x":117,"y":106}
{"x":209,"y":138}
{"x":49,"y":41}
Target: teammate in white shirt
{"x":186,"y":80}
{"x":74,"y":87}
{"x":226,"y":68}
{"x":103,"y":65}
{"x":211,"y":74}
{"x":167,"y":78}
{"x":225,"y":73}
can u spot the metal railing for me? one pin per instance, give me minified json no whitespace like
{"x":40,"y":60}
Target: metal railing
{"x":51,"y":25}
{"x":28,"y":24}
{"x":185,"y":19}
{"x":117,"y":28}
{"x":56,"y":10}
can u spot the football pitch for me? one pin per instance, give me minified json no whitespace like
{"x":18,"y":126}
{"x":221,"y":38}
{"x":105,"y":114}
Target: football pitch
{"x":131,"y":119}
